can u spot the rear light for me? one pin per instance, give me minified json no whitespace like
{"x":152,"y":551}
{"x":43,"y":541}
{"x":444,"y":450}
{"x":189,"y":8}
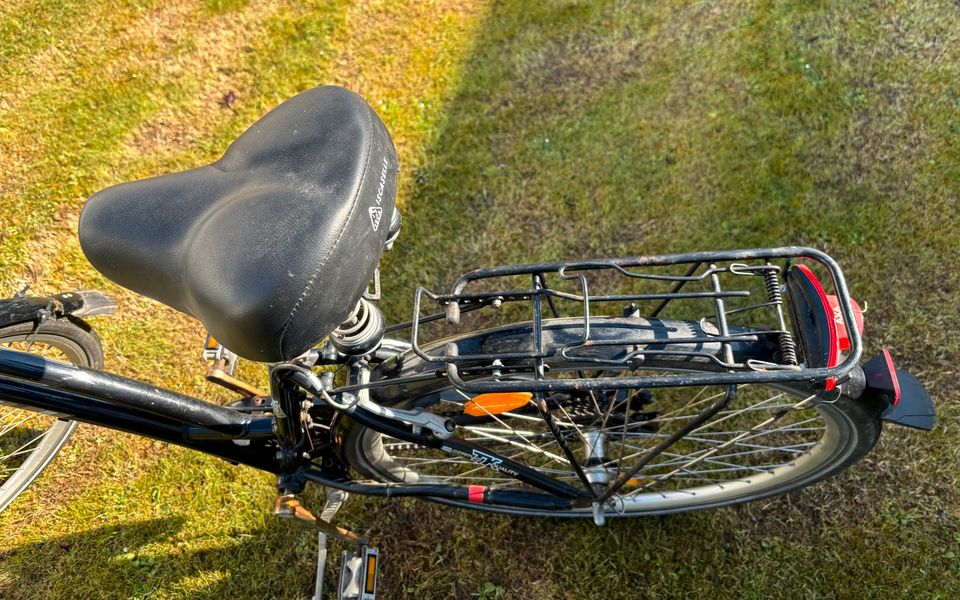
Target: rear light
{"x":819,"y":320}
{"x":842,"y":335}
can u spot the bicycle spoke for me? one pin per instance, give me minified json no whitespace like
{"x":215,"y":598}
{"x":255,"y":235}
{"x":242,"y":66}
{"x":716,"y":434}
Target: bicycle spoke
{"x":759,"y":434}
{"x":527,"y":446}
{"x":708,"y":452}
{"x":681,"y":458}
{"x":28,"y":416}
{"x":25,"y":448}
{"x":735,"y":413}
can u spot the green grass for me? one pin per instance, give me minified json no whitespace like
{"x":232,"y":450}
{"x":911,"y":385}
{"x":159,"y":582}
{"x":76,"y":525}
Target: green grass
{"x":527,"y":131}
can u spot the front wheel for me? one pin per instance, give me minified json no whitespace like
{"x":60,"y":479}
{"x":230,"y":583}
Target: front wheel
{"x":767,"y":441}
{"x":29,"y":440}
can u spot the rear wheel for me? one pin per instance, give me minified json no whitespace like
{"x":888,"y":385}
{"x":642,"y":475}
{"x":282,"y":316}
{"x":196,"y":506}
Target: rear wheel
{"x":29,"y":440}
{"x":766,"y":442}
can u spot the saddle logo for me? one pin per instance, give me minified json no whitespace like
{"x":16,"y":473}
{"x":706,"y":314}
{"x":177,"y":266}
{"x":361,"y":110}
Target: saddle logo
{"x":375,"y":213}
{"x":383,"y":181}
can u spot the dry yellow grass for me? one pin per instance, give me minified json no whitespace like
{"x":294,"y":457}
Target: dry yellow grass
{"x":407,"y":83}
{"x":189,"y":58}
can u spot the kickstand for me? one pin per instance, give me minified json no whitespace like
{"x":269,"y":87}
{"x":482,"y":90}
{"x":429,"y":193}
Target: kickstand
{"x":335,"y":499}
{"x":358,"y":569}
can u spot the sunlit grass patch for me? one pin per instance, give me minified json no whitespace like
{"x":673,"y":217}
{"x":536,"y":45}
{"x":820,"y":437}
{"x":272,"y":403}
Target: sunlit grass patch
{"x":526,"y":131}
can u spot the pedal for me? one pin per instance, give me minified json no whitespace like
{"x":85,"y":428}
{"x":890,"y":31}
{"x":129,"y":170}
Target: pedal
{"x":224,"y":368}
{"x":358,"y":574}
{"x":358,"y":571}
{"x":217,"y":353}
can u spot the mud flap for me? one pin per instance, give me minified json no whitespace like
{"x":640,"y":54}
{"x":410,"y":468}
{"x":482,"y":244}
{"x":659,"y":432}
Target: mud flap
{"x":908,"y":402}
{"x":915,"y":408}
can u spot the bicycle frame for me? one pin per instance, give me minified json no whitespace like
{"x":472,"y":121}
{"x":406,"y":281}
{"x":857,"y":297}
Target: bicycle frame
{"x":279,"y":443}
{"x":117,"y":402}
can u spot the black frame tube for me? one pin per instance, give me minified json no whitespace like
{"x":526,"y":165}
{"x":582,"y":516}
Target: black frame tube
{"x":128,"y":405}
{"x":118,"y":390}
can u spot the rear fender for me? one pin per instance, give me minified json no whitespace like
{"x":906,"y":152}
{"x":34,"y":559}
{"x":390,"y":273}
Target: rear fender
{"x":905,"y":400}
{"x":85,"y":303}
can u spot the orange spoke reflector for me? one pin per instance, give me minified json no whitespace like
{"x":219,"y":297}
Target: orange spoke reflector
{"x":494,"y":404}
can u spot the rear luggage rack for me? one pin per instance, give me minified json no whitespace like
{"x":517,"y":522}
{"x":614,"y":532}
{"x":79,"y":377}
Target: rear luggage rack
{"x":726,"y":299}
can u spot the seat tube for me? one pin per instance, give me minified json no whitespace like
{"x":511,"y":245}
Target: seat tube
{"x":287,"y":424}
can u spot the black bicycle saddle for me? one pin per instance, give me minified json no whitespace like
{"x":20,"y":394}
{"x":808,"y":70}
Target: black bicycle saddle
{"x":272,"y":245}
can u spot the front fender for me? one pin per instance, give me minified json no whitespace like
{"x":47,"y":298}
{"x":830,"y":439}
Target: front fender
{"x":84,"y":303}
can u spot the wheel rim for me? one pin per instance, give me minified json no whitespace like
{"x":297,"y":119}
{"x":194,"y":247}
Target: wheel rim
{"x":727,"y":460}
{"x":29,"y":439}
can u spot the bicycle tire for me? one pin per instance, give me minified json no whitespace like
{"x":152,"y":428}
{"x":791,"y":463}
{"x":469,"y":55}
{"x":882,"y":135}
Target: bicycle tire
{"x":851,"y":429}
{"x":78,"y":344}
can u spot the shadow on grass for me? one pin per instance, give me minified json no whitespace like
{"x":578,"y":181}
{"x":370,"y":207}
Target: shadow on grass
{"x":586,"y":129}
{"x":62,"y":566}
{"x":162,"y":558}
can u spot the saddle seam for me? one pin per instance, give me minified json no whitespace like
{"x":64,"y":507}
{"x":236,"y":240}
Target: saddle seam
{"x":336,"y":243}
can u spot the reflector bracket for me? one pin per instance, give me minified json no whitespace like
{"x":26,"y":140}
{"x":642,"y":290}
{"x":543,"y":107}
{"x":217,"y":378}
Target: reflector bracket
{"x":893,"y":376}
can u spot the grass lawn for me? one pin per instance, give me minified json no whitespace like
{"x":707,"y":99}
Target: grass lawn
{"x":526,"y":131}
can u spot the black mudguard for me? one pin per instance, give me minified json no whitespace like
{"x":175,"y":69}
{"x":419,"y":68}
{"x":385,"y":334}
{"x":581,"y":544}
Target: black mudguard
{"x":907,"y":401}
{"x":561,"y":332}
{"x":85,"y":303}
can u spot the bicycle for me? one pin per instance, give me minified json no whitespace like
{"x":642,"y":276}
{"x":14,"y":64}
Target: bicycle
{"x":596,"y":405}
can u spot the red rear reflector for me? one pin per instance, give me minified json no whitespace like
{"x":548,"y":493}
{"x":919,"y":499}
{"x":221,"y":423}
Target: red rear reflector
{"x":833,"y":356}
{"x":882,"y":377}
{"x":842,"y":336}
{"x":893,"y":376}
